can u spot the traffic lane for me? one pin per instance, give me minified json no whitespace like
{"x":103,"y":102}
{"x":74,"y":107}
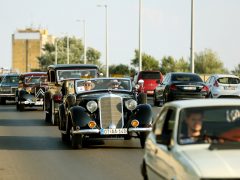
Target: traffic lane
{"x":32,"y":149}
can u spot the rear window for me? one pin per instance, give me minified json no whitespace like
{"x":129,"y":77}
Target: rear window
{"x":150,"y":75}
{"x":229,"y":80}
{"x":186,"y":77}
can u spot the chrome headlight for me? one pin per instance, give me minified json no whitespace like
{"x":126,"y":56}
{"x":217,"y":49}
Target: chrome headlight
{"x":131,"y":104}
{"x":92,"y":106}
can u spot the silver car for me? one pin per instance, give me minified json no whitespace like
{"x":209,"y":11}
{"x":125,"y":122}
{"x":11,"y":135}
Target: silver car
{"x":223,"y":86}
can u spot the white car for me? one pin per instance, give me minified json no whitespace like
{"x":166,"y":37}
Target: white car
{"x":223,"y":85}
{"x":194,"y":139}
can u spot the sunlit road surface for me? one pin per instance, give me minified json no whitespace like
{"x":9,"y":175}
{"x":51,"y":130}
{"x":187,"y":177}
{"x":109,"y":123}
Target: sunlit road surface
{"x":30,"y":148}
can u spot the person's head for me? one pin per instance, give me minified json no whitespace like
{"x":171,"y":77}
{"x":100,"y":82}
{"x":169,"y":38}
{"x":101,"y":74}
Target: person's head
{"x":194,"y":122}
{"x":115,"y":84}
{"x":87,"y":85}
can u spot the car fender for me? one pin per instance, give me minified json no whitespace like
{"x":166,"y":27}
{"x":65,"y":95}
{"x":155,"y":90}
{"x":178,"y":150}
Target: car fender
{"x":143,"y":113}
{"x":62,"y":117}
{"x":79,"y":116}
{"x":22,"y":93}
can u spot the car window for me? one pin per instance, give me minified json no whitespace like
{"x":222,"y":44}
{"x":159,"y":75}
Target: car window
{"x":209,"y":80}
{"x":186,"y":77}
{"x":166,"y":78}
{"x":10,"y":79}
{"x":229,"y":80}
{"x":150,"y":75}
{"x":198,"y":125}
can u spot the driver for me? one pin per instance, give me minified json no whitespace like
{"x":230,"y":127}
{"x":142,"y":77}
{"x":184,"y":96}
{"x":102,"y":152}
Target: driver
{"x":88,"y":85}
{"x":116,"y":84}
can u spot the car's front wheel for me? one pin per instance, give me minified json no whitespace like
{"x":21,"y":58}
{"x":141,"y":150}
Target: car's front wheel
{"x":142,"y":137}
{"x":77,"y":141}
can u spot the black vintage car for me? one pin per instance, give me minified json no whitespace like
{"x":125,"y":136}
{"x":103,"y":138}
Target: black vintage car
{"x":8,"y":87}
{"x":31,"y":89}
{"x":108,"y":109}
{"x":56,"y":75}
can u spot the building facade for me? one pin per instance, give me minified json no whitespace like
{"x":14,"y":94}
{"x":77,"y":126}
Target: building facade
{"x":27,"y":46}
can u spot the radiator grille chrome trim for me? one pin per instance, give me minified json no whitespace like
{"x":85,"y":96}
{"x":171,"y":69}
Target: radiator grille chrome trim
{"x":111,"y":111}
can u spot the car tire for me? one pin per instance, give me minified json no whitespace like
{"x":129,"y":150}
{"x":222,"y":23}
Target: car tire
{"x":77,"y":141}
{"x":21,"y":107}
{"x":2,"y":101}
{"x":142,"y":137}
{"x":155,"y":102}
{"x":144,"y":170}
{"x":65,"y":137}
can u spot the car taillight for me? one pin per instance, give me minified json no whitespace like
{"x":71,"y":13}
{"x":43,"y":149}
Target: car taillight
{"x":173,"y":87}
{"x":205,"y":88}
{"x":215,"y":84}
{"x":57,"y":98}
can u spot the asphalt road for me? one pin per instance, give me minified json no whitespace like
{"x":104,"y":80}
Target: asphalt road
{"x":30,"y":148}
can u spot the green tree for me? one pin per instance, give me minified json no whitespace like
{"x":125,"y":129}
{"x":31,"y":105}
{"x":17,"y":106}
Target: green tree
{"x":120,"y":69}
{"x":236,"y":70}
{"x":148,"y":62}
{"x":182,"y":65}
{"x":168,"y":64}
{"x":208,"y":62}
{"x":75,"y":53}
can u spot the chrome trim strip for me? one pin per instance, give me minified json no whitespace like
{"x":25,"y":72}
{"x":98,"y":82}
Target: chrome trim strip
{"x":139,"y":129}
{"x":86,"y":131}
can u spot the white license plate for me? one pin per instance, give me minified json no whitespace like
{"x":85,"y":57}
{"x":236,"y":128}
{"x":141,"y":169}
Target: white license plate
{"x":150,"y":92}
{"x":229,"y":88}
{"x":113,"y":131}
{"x":189,"y":88}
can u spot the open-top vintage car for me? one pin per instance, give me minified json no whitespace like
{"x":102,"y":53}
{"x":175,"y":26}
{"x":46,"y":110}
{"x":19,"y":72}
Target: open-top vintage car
{"x":56,"y":75}
{"x":108,"y":109}
{"x":31,"y":89}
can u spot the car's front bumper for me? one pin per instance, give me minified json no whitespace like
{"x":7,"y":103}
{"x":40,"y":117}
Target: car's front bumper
{"x":31,"y":103}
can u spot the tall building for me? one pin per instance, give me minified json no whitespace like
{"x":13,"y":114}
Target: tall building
{"x":27,"y":45}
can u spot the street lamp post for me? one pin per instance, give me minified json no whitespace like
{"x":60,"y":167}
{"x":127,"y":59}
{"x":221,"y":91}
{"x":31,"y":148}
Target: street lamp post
{"x":140,"y":35}
{"x":84,"y":41}
{"x":106,"y":16}
{"x":56,"y":49}
{"x":67,"y":49}
{"x":192,"y":36}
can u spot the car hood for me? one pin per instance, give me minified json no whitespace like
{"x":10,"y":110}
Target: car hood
{"x":98,"y":95}
{"x":214,"y":163}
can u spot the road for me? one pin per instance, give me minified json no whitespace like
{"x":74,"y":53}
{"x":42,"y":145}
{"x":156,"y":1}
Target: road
{"x":30,"y":148}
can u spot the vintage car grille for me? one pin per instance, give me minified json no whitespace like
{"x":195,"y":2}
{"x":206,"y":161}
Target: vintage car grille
{"x":39,"y":92}
{"x":5,"y":90}
{"x":14,"y":90}
{"x":111,"y":112}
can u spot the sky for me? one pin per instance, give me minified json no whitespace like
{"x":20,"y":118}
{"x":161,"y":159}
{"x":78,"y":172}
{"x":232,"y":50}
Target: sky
{"x":166,"y":26}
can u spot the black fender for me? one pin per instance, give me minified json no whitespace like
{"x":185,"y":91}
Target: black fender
{"x":47,"y":100}
{"x":21,"y":94}
{"x":62,"y":117}
{"x":79,"y":117}
{"x":143,"y":113}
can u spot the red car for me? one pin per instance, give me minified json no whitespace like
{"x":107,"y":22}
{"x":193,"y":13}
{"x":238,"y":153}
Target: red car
{"x":151,"y":80}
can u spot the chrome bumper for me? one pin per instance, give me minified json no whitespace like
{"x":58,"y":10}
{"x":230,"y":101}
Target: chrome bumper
{"x":140,"y":129}
{"x":37,"y":103}
{"x":86,"y":131}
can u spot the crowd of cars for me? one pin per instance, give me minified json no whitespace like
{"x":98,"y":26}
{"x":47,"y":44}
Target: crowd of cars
{"x":192,"y":137}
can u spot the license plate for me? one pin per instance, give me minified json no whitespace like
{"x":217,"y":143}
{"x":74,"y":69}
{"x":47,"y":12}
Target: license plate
{"x":113,"y":131}
{"x":150,"y":92}
{"x":229,"y":88}
{"x":39,"y":103}
{"x":189,"y":88}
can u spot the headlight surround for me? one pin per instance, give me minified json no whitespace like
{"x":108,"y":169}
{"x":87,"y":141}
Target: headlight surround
{"x":92,"y":106}
{"x":131,"y":104}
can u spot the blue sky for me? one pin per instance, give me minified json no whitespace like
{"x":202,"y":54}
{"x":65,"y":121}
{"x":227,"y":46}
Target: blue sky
{"x":166,"y":26}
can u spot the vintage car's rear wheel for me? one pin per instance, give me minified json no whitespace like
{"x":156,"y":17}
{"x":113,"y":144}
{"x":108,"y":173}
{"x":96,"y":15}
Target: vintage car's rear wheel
{"x":77,"y":141}
{"x":2,"y":101}
{"x":142,"y":136}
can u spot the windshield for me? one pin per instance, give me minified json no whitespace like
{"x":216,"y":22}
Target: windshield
{"x":229,"y":80}
{"x":10,"y":79}
{"x":150,"y":75}
{"x":103,"y":84}
{"x":83,"y":74}
{"x":35,"y":79}
{"x":186,"y":77}
{"x":205,"y":125}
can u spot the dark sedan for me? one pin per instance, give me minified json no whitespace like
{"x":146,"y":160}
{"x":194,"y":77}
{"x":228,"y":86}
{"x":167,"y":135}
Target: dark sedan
{"x":176,"y":86}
